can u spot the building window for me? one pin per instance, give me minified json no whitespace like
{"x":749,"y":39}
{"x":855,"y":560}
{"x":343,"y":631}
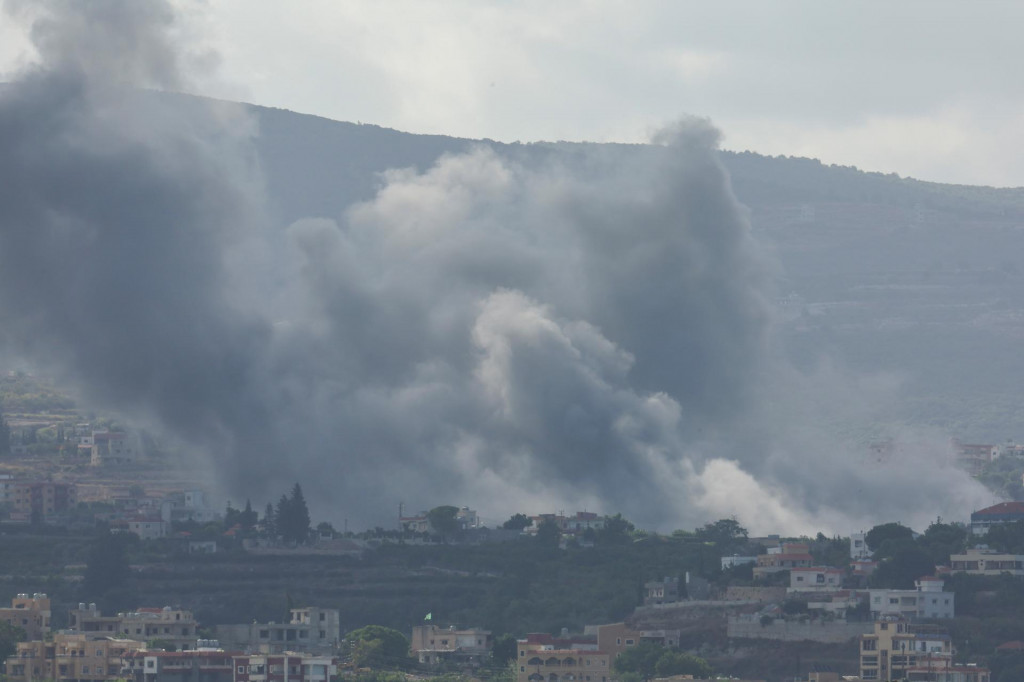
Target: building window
{"x":241,"y":670}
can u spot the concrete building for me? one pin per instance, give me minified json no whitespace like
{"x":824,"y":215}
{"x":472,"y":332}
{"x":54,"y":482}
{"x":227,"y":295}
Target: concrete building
{"x":543,"y":658}
{"x":432,"y":645}
{"x":309,"y":629}
{"x":30,"y":613}
{"x":737,"y":560}
{"x":176,"y":628}
{"x":112,"y":447}
{"x":41,"y":500}
{"x":178,"y":666}
{"x":927,"y":600}
{"x":985,"y":561}
{"x":70,"y":657}
{"x":1004,"y":512}
{"x":895,"y":647}
{"x":859,"y":547}
{"x":614,"y":638}
{"x":665,"y":591}
{"x":787,"y":556}
{"x":283,"y":668}
{"x":816,"y":579}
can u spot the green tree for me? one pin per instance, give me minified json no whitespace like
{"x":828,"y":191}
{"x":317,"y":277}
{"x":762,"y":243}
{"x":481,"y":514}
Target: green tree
{"x":10,"y":635}
{"x":548,"y":533}
{"x":679,"y":663}
{"x":616,"y":531}
{"x":885,"y":532}
{"x":269,"y":526}
{"x":376,"y":646}
{"x":517,"y":522}
{"x":444,"y":521}
{"x":641,"y":659}
{"x":292,"y":516}
{"x":726,"y":532}
{"x":907,"y":564}
{"x":504,"y":650}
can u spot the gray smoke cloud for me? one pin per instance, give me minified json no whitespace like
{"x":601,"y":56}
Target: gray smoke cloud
{"x":589,"y":328}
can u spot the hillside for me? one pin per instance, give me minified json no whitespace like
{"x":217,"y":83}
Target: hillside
{"x":878,"y":273}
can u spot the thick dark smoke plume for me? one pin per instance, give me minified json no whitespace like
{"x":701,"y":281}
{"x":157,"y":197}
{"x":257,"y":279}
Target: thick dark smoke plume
{"x":588,"y":331}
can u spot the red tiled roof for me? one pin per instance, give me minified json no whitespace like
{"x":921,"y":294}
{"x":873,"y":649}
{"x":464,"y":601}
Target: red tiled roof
{"x":1003,"y":508}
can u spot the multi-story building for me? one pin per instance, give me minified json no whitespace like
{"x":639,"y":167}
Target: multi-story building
{"x":70,"y":657}
{"x":111,"y":447}
{"x":985,"y":561}
{"x":179,"y":666}
{"x":308,"y":629}
{"x":432,"y":645}
{"x":30,"y":613}
{"x":614,"y":638}
{"x":543,"y":658}
{"x":788,"y":556}
{"x":283,"y":668}
{"x":664,"y":591}
{"x":859,"y":547}
{"x":895,"y":647}
{"x":927,"y":600}
{"x":174,"y":628}
{"x":1004,"y":512}
{"x":41,"y":500}
{"x":815,"y":579}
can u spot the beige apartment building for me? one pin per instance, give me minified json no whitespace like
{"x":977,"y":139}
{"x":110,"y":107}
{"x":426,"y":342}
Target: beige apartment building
{"x":543,"y":658}
{"x":174,"y":627}
{"x":69,"y":657}
{"x":30,"y":613}
{"x":432,"y":644}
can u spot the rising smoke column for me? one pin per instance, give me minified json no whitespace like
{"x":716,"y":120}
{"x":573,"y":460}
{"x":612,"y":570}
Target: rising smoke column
{"x":588,"y":327}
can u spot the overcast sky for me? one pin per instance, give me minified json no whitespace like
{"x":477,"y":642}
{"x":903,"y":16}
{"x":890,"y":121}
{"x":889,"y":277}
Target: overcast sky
{"x":926,"y":89}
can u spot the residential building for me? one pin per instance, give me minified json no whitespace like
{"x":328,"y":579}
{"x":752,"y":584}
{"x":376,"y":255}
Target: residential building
{"x":175,"y":628}
{"x":543,"y":658}
{"x":308,"y":629}
{"x":144,"y":526}
{"x":432,"y":645}
{"x":737,"y":560}
{"x":70,"y":657}
{"x":787,"y":556}
{"x":815,"y":579}
{"x":30,"y":613}
{"x":577,"y":524}
{"x":41,"y":500}
{"x":614,"y":638}
{"x":6,"y":488}
{"x":895,"y":647}
{"x":290,"y":667}
{"x":859,"y":547}
{"x":200,"y":665}
{"x":927,"y":600}
{"x":665,"y":591}
{"x":112,"y":447}
{"x":1004,"y":512}
{"x":974,"y":456}
{"x":985,"y":561}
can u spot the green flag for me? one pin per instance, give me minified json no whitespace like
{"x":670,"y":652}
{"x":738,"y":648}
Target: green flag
{"x":428,"y":616}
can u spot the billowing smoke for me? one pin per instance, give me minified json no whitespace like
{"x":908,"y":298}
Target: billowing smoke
{"x":589,"y":328}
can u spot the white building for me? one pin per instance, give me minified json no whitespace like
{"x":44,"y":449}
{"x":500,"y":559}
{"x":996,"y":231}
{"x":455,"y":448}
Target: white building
{"x":985,"y":561}
{"x":736,"y":560}
{"x":927,"y":600}
{"x":815,"y":579}
{"x":859,"y":547}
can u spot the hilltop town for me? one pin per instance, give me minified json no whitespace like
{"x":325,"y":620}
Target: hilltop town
{"x":115,"y":569}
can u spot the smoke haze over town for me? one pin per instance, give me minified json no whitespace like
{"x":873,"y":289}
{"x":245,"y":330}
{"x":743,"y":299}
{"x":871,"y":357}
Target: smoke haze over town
{"x":510,"y":327}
